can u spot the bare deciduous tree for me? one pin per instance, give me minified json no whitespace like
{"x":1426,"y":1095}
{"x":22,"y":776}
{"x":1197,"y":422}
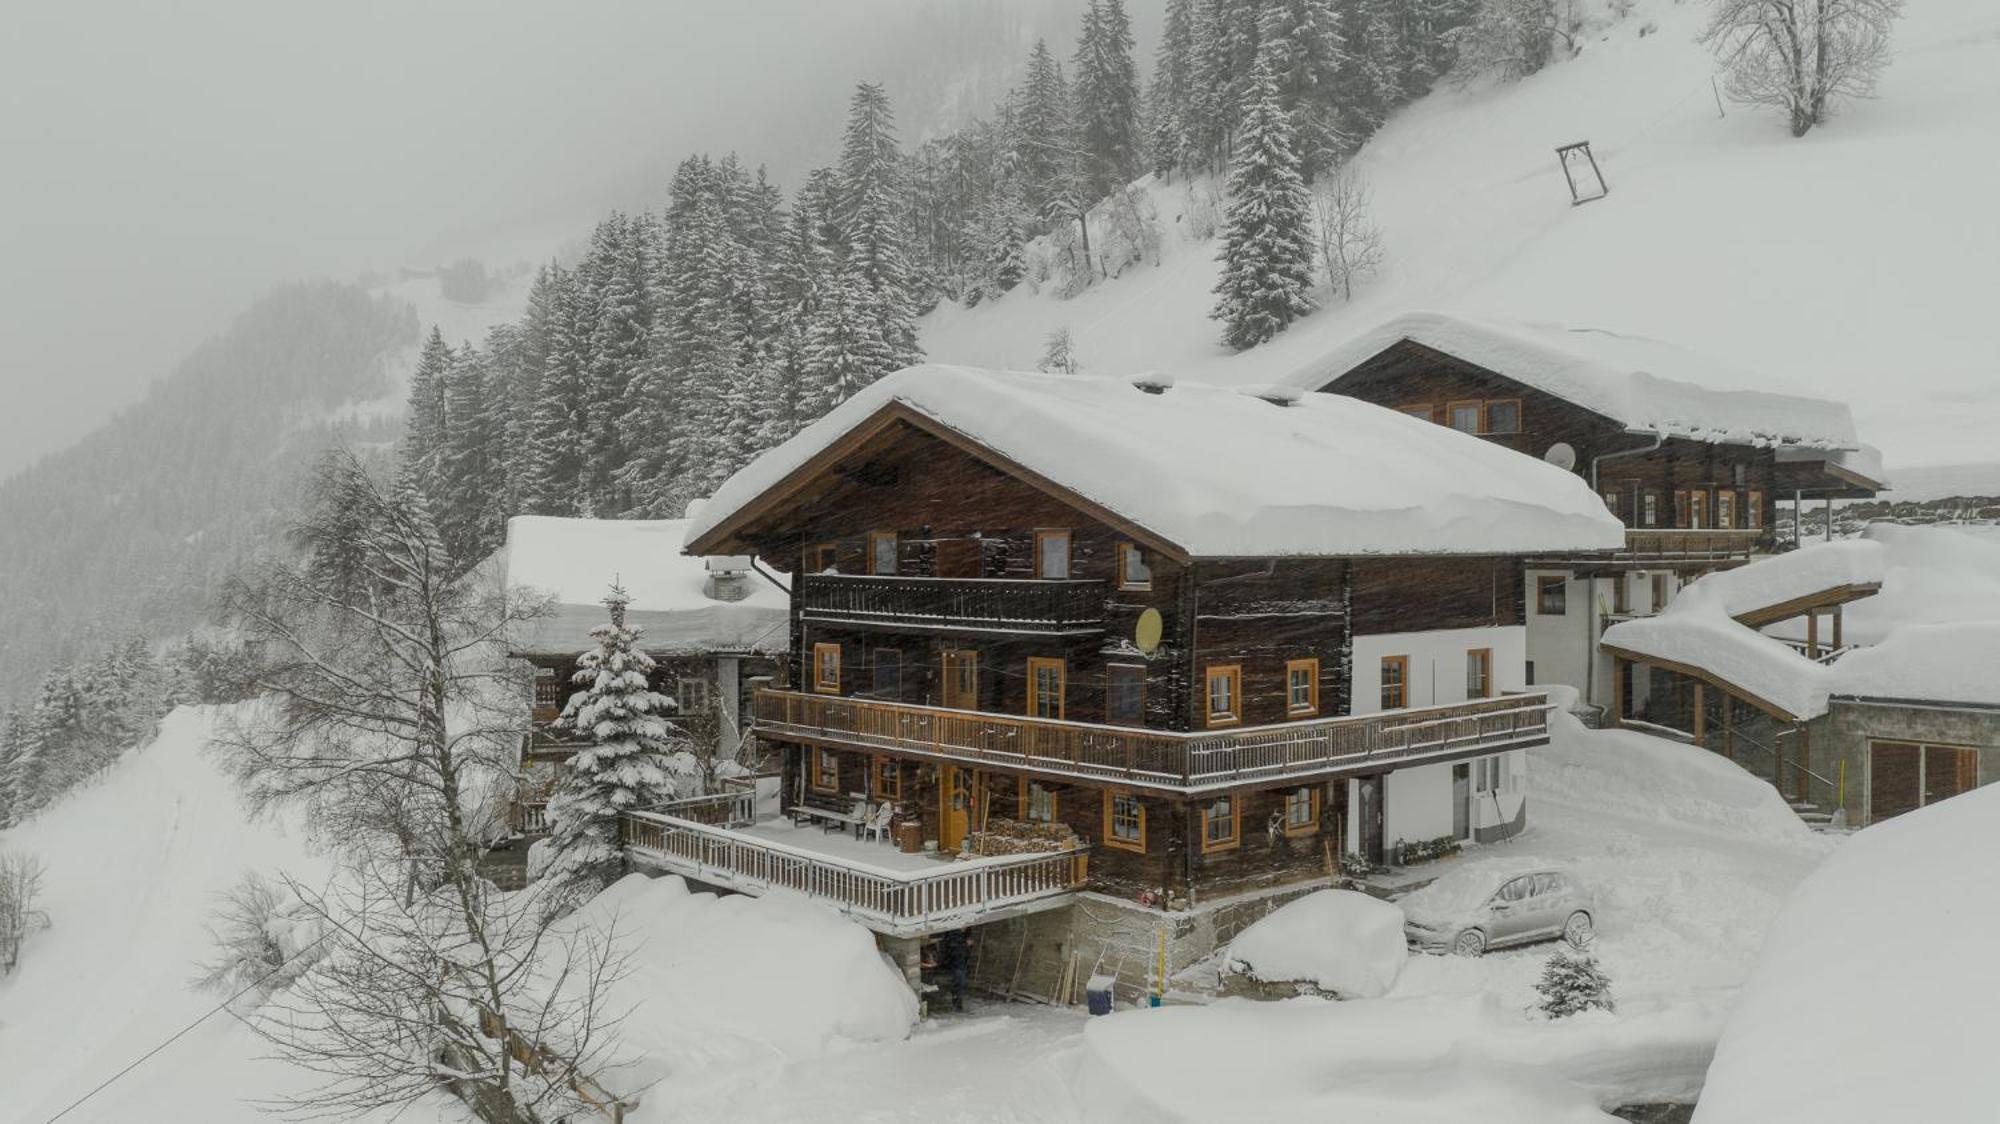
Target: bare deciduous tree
{"x":1801,"y":55}
{"x":390,"y":716}
{"x":1350,"y":244}
{"x":20,"y":885}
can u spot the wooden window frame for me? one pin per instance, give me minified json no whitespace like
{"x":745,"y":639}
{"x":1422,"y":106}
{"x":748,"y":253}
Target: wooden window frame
{"x":820,"y":781}
{"x":1036,"y":663}
{"x":1649,"y":503}
{"x":895,"y":550}
{"x":1069,"y":553}
{"x":1478,"y":415}
{"x":884,"y":769}
{"x":1486,"y":418}
{"x":1698,"y":510}
{"x":1138,"y":719}
{"x":1022,"y":798}
{"x":1234,"y":673}
{"x":1423,"y":411}
{"x":820,"y":557}
{"x":1753,"y":510}
{"x":952,"y":661}
{"x":1544,"y":583}
{"x":1484,"y":658}
{"x":1235,"y":837}
{"x":1310,"y":707}
{"x":1311,"y":826}
{"x":1125,"y":550}
{"x":1725,"y":509}
{"x":821,"y":684}
{"x":1111,"y":798}
{"x":1402,"y":664}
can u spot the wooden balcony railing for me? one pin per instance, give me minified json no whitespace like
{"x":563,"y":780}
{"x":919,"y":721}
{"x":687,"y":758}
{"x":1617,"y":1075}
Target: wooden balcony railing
{"x":1161,"y":760}
{"x":955,"y":604}
{"x":1675,"y":545}
{"x":898,"y":902}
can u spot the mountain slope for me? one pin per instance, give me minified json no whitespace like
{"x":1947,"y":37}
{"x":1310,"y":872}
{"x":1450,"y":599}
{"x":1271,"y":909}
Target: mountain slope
{"x":1844,"y":262}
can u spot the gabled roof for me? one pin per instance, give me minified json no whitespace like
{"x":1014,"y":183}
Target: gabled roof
{"x":1639,"y":383}
{"x":1210,"y":472}
{"x":574,"y":562}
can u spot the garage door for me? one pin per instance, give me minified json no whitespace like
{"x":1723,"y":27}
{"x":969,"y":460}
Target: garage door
{"x":1904,"y":776}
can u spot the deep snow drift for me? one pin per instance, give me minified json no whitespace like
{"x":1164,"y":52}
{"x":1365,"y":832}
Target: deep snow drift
{"x":1878,"y":980}
{"x":1720,"y":235}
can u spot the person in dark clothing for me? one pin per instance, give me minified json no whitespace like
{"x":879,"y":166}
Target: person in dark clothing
{"x":955,"y":956}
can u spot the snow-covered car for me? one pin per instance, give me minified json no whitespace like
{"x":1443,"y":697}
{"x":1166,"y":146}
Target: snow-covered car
{"x":1471,"y":910}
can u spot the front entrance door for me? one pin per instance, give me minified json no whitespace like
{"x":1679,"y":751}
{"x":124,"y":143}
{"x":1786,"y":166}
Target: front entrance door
{"x":1949,"y":771}
{"x":961,"y":680}
{"x":1369,"y":796}
{"x":1461,"y":800}
{"x":955,"y":798}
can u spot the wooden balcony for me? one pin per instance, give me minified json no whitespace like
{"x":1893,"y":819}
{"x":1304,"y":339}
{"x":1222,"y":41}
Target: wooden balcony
{"x":1038,"y":608}
{"x":714,"y":840}
{"x":1667,"y":547}
{"x":1161,"y":760}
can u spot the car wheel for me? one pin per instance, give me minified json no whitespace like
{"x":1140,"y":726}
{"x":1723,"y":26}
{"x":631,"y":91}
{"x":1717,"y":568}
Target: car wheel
{"x":1472,"y":942}
{"x":1578,"y":929}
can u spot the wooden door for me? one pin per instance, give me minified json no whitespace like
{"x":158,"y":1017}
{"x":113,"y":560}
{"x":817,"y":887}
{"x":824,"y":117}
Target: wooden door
{"x":955,"y":788}
{"x":1894,"y":779}
{"x":1369,"y":795}
{"x":1461,"y":800}
{"x":1948,"y":771}
{"x":960,"y":674}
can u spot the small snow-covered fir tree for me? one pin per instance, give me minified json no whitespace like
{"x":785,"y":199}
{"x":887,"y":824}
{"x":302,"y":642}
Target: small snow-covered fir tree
{"x":634,"y":759}
{"x":1267,"y":241}
{"x":1571,"y":982}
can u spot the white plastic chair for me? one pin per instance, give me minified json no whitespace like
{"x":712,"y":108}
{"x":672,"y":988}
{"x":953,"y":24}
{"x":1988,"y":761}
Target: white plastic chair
{"x":878,"y":825}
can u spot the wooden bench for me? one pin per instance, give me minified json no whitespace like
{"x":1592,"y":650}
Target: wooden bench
{"x":831,"y":812}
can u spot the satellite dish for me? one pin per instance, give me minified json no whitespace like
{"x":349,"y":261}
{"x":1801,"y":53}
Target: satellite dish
{"x":1562,"y":455}
{"x":1147,"y":635}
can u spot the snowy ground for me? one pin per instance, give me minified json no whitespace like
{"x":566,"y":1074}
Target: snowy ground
{"x":1720,"y":233}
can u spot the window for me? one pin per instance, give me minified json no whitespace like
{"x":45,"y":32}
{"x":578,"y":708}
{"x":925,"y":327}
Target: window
{"x":1463,"y":416}
{"x":1503,"y":416}
{"x":1220,"y":825}
{"x":1124,"y":822}
{"x":888,"y":779}
{"x":1697,"y":509}
{"x":888,"y":673}
{"x":1725,"y":510}
{"x":1133,"y":573}
{"x":1479,"y":673}
{"x":1302,"y":811}
{"x":1517,"y":890}
{"x":1652,"y":509}
{"x":1659,"y":592}
{"x":1045,"y":687}
{"x":1052,"y":554}
{"x":548,"y":689}
{"x":691,"y":696}
{"x":1486,"y":775}
{"x":1611,"y":503}
{"x":1301,"y":688}
{"x":1038,"y":802}
{"x":1225,"y":695}
{"x":1552,"y":596}
{"x":826,"y":668}
{"x":1125,"y":695}
{"x":1753,"y":512}
{"x":825,"y":771}
{"x":1395,"y":682}
{"x":819,"y":559}
{"x":881,"y":552}
{"x":1421,"y":410}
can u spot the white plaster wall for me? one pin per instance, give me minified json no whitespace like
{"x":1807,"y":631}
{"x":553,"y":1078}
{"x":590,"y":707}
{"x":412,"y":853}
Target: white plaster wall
{"x":1502,"y":807}
{"x":1416,"y":804}
{"x":1437,"y":663}
{"x":1557,"y":643}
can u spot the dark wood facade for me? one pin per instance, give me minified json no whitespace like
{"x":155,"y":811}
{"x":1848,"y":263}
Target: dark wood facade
{"x":903,"y":544}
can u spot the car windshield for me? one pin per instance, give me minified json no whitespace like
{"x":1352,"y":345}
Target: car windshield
{"x":1456,"y":893}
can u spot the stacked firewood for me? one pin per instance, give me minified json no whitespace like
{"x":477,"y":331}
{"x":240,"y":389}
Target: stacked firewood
{"x":1017,"y":837}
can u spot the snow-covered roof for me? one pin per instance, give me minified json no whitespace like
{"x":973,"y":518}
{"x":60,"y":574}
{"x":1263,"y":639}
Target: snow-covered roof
{"x":1220,"y":473}
{"x":1863,"y":463}
{"x":574,"y":562}
{"x":1640,"y":383}
{"x":1781,"y":578}
{"x":1907,"y":1038}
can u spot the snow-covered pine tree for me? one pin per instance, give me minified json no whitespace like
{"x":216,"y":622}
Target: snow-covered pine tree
{"x":1267,"y":243}
{"x":1307,"y":56}
{"x":470,"y":517}
{"x":1106,"y":96}
{"x":60,"y":752}
{"x":844,"y":348}
{"x":1571,"y":982}
{"x":556,"y":438}
{"x":872,"y":214}
{"x":633,"y":759}
{"x":1043,"y":119}
{"x":15,"y":755}
{"x":1168,"y":96}
{"x":620,"y":317}
{"x":1510,"y":38}
{"x":425,"y":423}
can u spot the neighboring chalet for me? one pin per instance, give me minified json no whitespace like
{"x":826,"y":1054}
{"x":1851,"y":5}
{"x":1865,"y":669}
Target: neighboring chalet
{"x":712,"y":625}
{"x":1691,"y":456}
{"x":1173,"y":646}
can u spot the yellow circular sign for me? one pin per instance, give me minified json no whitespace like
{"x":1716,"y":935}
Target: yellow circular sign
{"x":1147,"y":635}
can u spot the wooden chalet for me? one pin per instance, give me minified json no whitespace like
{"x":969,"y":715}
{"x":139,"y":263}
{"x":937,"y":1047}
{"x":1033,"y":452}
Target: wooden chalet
{"x":1692,"y":457}
{"x":1167,"y":643}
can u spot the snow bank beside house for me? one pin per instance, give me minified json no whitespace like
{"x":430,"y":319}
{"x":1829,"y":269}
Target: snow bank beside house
{"x":724,"y":982}
{"x":1220,"y":473}
{"x":1877,"y":983}
{"x":1339,"y":941}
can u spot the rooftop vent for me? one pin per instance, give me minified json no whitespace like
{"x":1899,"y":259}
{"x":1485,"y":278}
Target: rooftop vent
{"x":1274,"y":393}
{"x":1153,"y":382}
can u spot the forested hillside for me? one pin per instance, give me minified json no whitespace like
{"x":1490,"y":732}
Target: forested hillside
{"x":132,"y":530}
